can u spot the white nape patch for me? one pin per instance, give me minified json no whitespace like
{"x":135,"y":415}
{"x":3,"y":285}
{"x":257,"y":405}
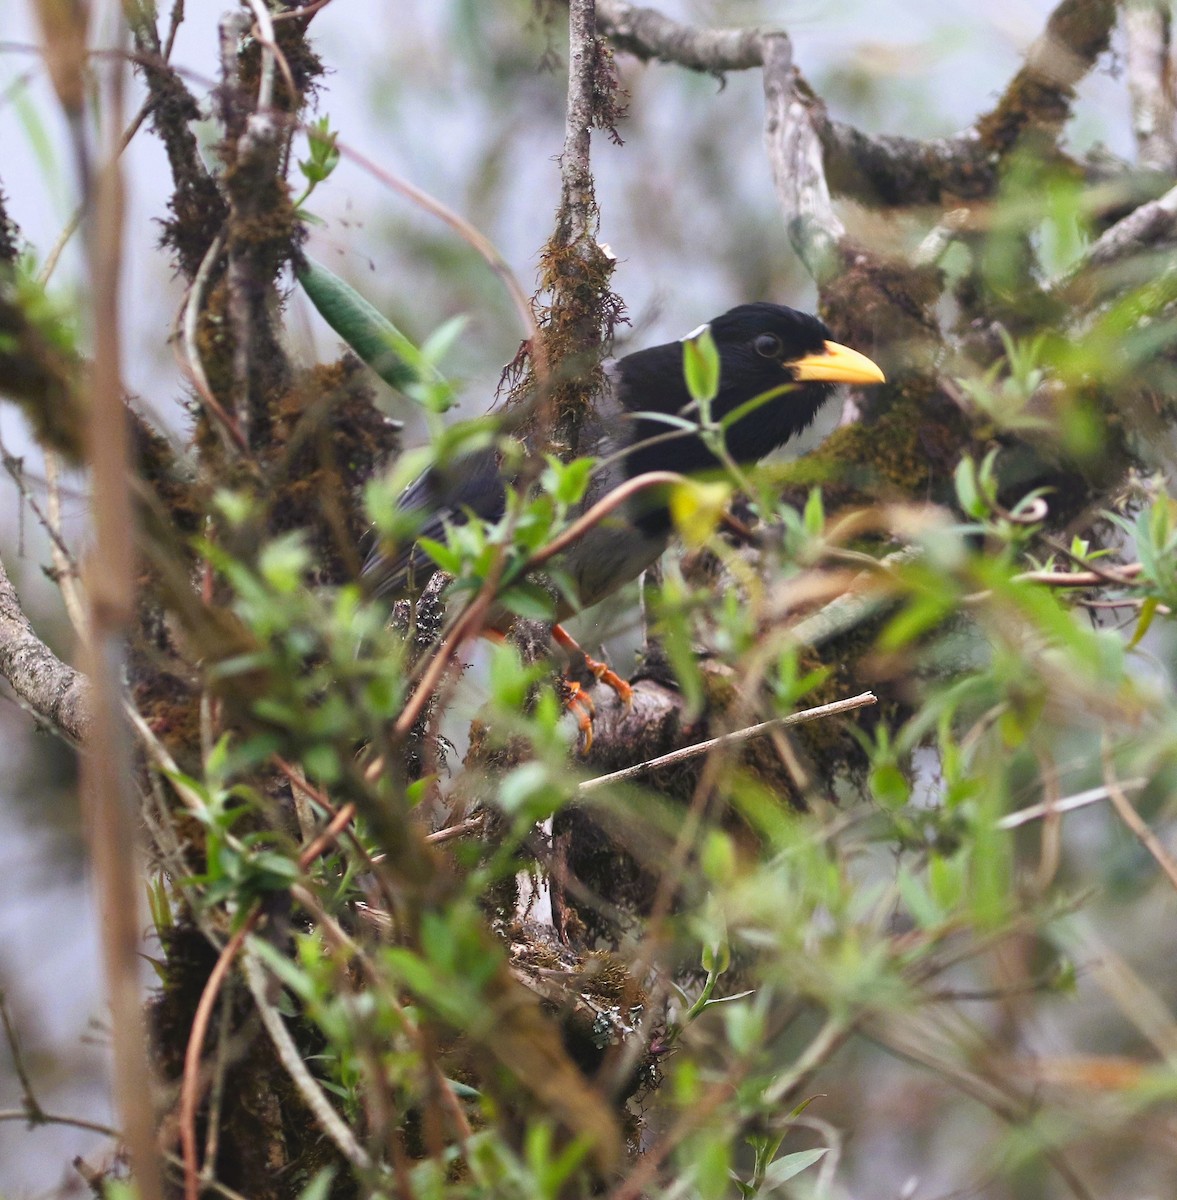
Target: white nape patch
{"x":690,"y":337}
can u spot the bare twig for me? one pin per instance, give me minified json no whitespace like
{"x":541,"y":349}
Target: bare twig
{"x":888,"y":169}
{"x":1148,"y":225}
{"x":473,"y":237}
{"x":1140,"y":1004}
{"x":63,"y":561}
{"x":192,"y":361}
{"x":33,"y":1111}
{"x":600,"y":511}
{"x":331,"y":1123}
{"x":41,"y":1117}
{"x":833,"y":709}
{"x":1040,"y":95}
{"x":190,"y":1080}
{"x":1067,"y":804}
{"x":1132,"y":818}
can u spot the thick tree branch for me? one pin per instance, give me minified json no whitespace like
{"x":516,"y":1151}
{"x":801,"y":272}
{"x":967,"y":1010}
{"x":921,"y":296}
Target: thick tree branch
{"x":574,"y":269}
{"x":795,"y":154}
{"x":890,"y":170}
{"x":578,"y":212}
{"x":1148,"y":34}
{"x":647,"y":34}
{"x":1149,"y":227}
{"x":198,"y":210}
{"x":1146,"y":227}
{"x":1040,"y":95}
{"x":51,"y":688}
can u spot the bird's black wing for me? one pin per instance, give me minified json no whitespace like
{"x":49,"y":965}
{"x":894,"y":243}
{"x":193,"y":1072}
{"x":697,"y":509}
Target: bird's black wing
{"x":471,"y":484}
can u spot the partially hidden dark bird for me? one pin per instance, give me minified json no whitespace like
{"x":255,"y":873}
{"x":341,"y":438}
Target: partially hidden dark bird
{"x":761,"y":347}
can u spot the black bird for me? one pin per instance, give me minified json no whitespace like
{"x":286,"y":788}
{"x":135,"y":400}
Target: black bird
{"x":761,"y":346}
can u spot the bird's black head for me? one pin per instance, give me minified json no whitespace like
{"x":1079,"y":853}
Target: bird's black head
{"x":762,"y":348}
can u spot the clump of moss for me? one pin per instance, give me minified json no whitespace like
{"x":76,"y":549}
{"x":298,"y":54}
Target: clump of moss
{"x":327,"y":439}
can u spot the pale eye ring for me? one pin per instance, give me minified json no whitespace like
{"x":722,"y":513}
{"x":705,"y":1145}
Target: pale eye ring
{"x":768,"y":345}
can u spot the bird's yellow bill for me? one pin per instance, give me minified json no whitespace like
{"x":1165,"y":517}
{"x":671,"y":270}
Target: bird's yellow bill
{"x":836,"y":364}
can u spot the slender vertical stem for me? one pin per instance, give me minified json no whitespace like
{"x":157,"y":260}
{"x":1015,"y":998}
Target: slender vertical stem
{"x":108,"y":788}
{"x":577,"y":203}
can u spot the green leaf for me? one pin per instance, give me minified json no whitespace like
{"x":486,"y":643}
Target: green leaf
{"x":750,"y":406}
{"x":529,"y":600}
{"x":967,"y":493}
{"x":370,"y":334}
{"x":716,"y":958}
{"x":814,"y":517}
{"x":1148,"y":610}
{"x":448,"y":560}
{"x":566,"y":481}
{"x":889,"y":785}
{"x":786,"y":1167}
{"x":701,"y":365}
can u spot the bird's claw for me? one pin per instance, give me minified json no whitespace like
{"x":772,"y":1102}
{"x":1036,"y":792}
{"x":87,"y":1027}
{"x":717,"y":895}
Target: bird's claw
{"x":580,"y":704}
{"x":611,"y":679}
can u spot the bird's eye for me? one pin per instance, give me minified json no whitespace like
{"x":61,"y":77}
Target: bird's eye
{"x":768,"y":345}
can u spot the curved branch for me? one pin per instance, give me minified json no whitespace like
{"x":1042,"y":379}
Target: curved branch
{"x":50,"y":688}
{"x":798,"y":170}
{"x":1149,"y":227}
{"x":647,"y":34}
{"x":891,"y":170}
{"x":1040,"y":95}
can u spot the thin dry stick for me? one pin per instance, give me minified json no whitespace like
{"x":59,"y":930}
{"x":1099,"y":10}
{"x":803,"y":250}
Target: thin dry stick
{"x":212,"y":1134}
{"x":474,"y":238}
{"x":331,"y":1123}
{"x":107,"y":772}
{"x":190,"y":1082}
{"x":732,"y":739}
{"x":1132,"y":818}
{"x":1068,"y":804}
{"x":271,"y":56}
{"x":41,"y":1117}
{"x":339,"y":823}
{"x":191,"y":362}
{"x":63,"y":564}
{"x":599,"y":511}
{"x":32,"y":1108}
{"x":1050,"y":842}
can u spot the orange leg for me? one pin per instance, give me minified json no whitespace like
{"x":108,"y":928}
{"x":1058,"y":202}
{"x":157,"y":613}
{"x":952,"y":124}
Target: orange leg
{"x":576,"y":700}
{"x":604,"y":674}
{"x":580,"y":704}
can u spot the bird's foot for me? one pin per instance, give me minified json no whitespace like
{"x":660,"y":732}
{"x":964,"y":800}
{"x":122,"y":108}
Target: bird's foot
{"x":599,"y":670}
{"x":580,"y":704}
{"x":610,"y":678}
